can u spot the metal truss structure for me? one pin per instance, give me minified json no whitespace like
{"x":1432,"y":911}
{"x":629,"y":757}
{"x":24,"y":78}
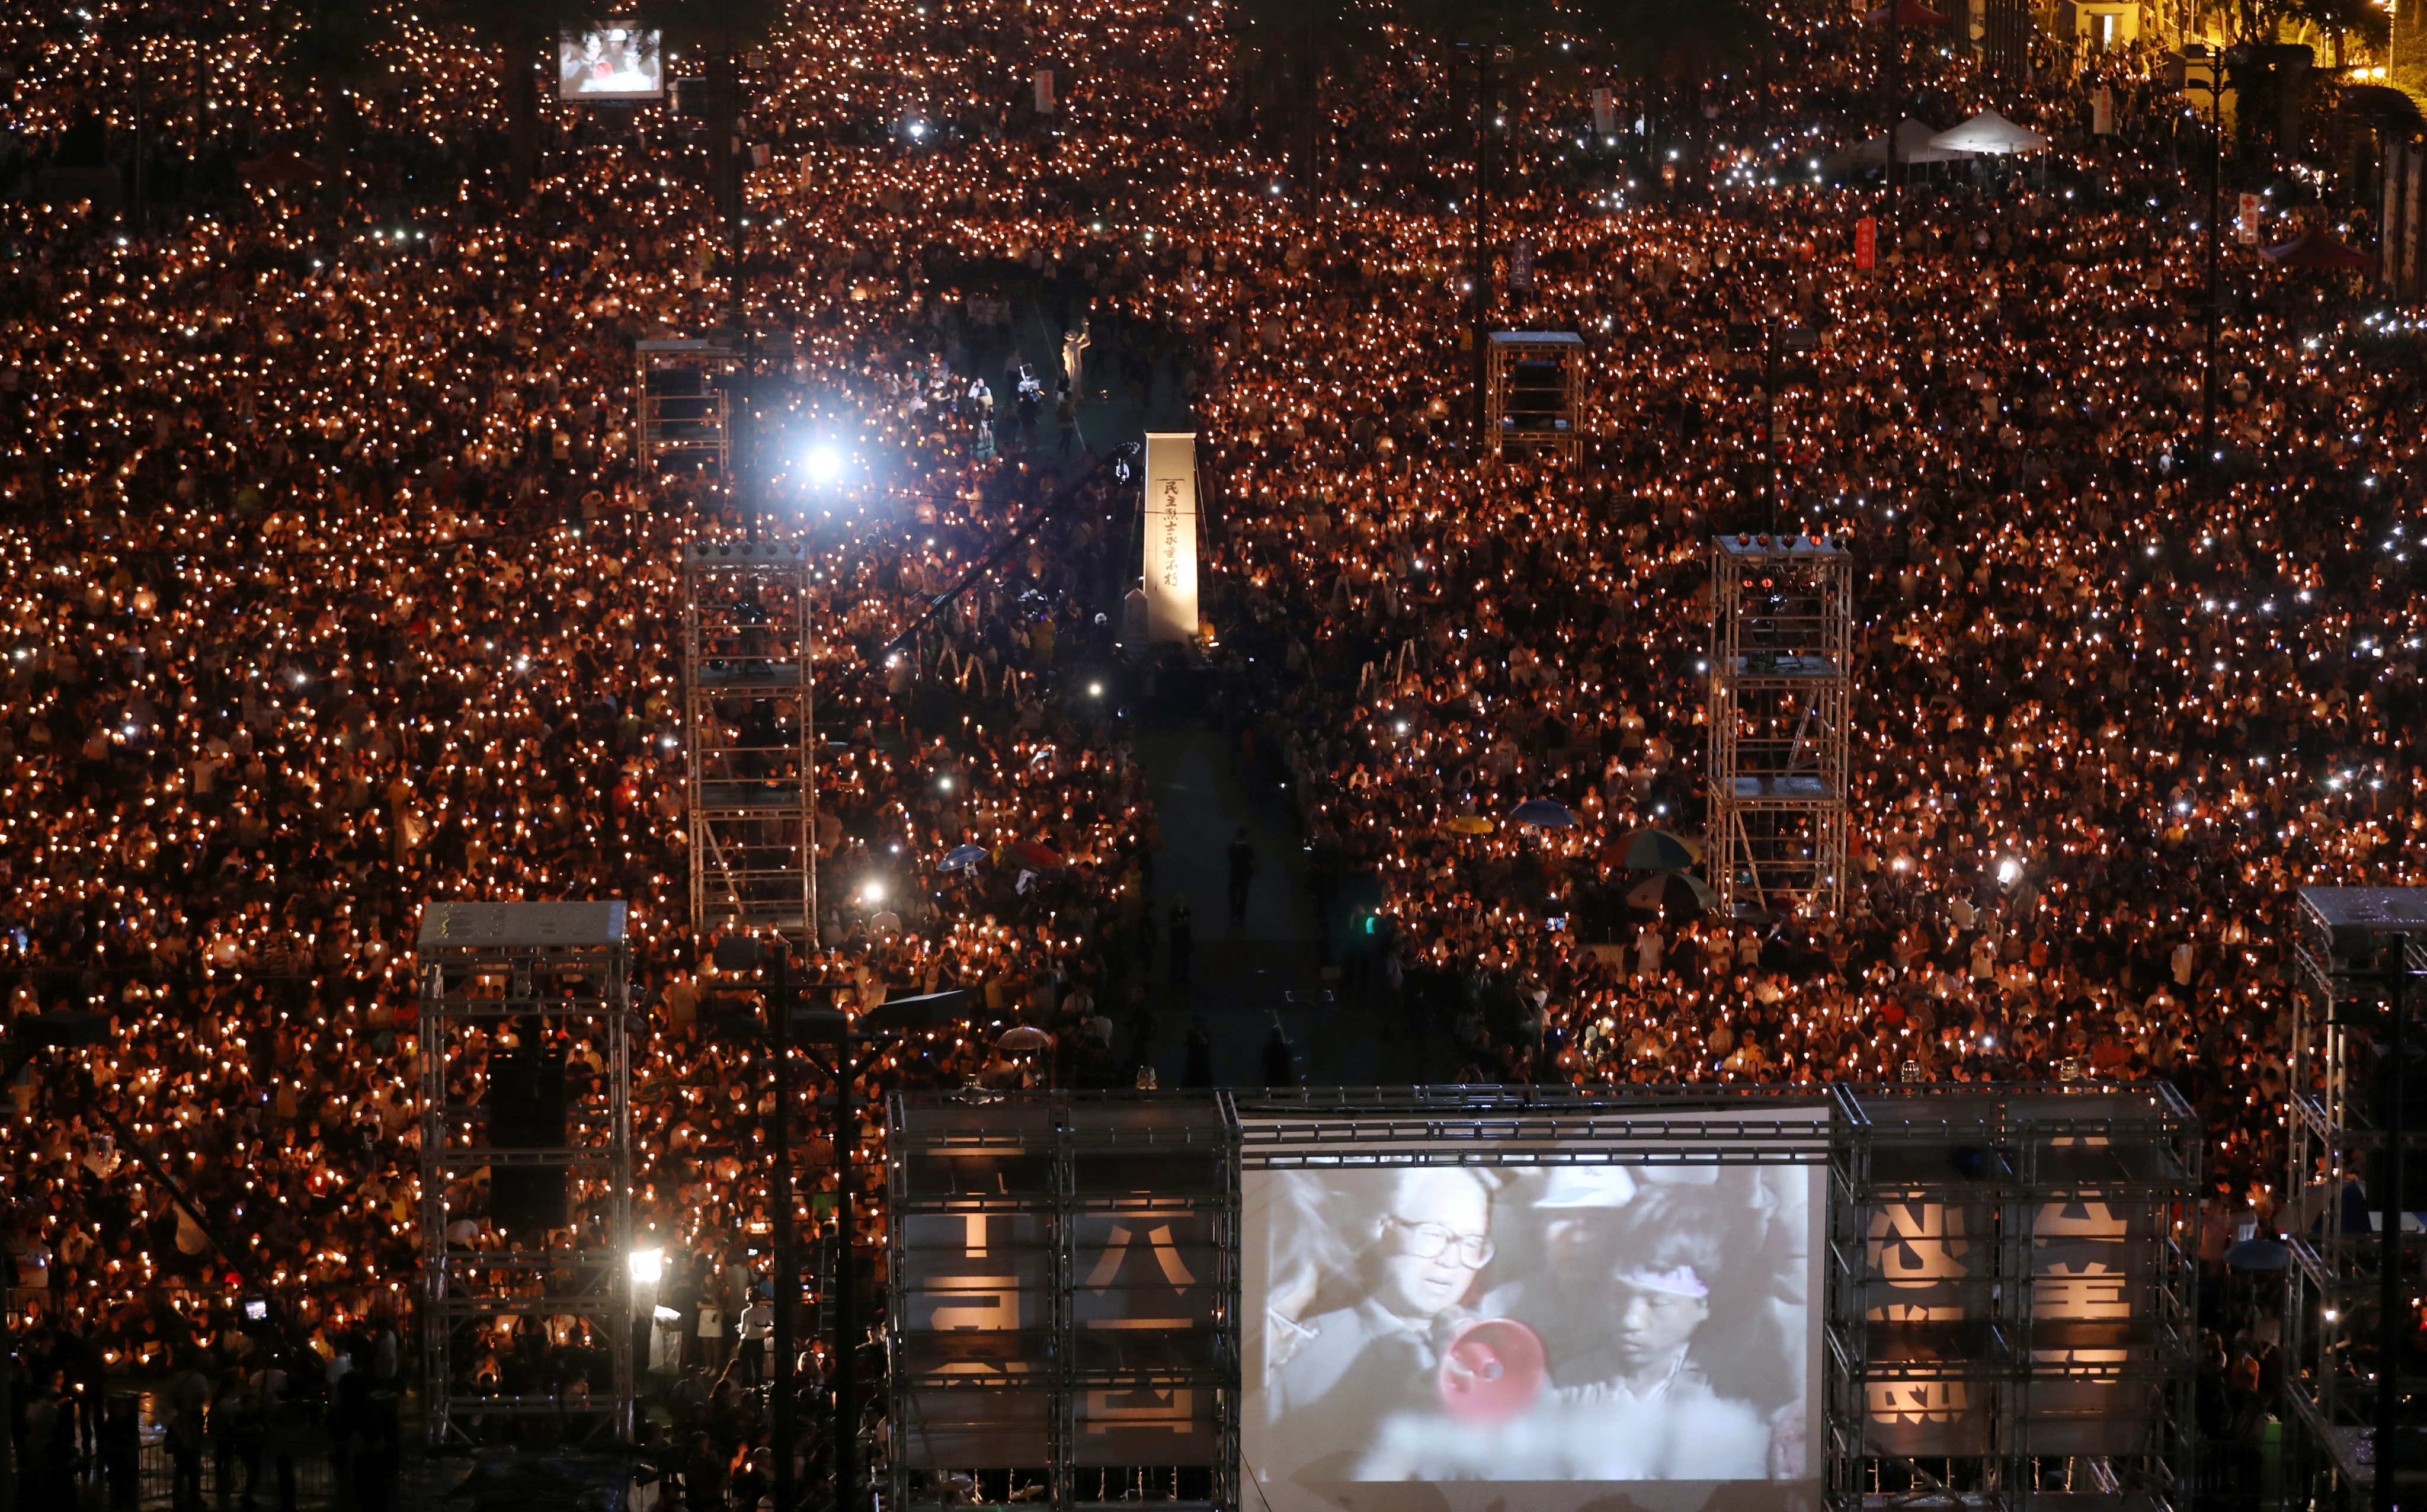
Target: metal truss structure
{"x":1781,"y":724}
{"x":686,"y":409}
{"x":560,"y":973}
{"x":2012,"y":1311}
{"x":1674,"y":1123}
{"x":2358,"y":1099}
{"x":1063,"y":1299}
{"x":750,"y":734}
{"x":1531,"y":393}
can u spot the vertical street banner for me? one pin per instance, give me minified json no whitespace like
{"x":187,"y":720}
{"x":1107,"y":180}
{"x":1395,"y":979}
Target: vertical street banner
{"x":1044,"y":84}
{"x":2102,"y":112}
{"x":1170,"y":566}
{"x":1866,"y":243}
{"x":2245,"y":228}
{"x":1605,"y":116}
{"x":1520,"y":265}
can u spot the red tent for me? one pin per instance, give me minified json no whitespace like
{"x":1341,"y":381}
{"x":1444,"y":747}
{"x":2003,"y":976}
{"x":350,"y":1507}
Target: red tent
{"x":1907,"y":13}
{"x":279,"y":168}
{"x":2315,"y":249}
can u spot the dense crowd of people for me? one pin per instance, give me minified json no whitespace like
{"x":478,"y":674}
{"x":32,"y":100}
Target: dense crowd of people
{"x":332,"y":588}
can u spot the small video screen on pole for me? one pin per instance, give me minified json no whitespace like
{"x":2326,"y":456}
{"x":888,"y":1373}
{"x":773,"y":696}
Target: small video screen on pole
{"x":1541,"y":1331}
{"x":617,"y":61}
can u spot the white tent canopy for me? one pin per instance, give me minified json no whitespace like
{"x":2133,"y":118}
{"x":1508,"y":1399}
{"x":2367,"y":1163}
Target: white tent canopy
{"x":1915,"y":143}
{"x":1989,"y":132}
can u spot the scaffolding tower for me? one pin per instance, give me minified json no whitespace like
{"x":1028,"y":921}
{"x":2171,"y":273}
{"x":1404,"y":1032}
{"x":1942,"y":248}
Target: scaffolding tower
{"x":686,"y":409}
{"x":750,"y":732}
{"x":1530,"y":393}
{"x":1781,"y":715}
{"x":556,"y":977}
{"x":2358,"y":1086}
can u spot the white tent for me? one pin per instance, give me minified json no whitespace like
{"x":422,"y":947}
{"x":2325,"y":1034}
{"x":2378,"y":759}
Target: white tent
{"x":1915,"y":143}
{"x":1989,"y":132}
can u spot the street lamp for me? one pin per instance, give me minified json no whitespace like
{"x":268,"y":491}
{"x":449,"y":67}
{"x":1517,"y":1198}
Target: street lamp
{"x":786,"y":1025}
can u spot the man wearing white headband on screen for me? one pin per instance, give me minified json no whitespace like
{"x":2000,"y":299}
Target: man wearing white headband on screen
{"x":1645,"y":1406}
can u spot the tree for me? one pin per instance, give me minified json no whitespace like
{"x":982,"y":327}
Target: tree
{"x":522,"y":33}
{"x":2342,"y":22}
{"x":721,"y":31}
{"x":329,"y":49}
{"x":1673,"y":48}
{"x":1294,"y":46}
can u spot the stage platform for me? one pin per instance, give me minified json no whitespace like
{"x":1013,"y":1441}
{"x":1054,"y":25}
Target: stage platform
{"x":1383,"y":1300}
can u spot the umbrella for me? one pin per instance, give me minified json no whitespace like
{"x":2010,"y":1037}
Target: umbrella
{"x":1913,"y":145}
{"x":1542,"y":813}
{"x":1468,"y":824}
{"x":1036,"y":858}
{"x":2315,"y":249}
{"x":1989,"y":132}
{"x":1907,"y":13}
{"x":1681,"y":891}
{"x":2258,"y":1255}
{"x":961,"y":857}
{"x":1658,"y":851}
{"x":1023,"y":1038}
{"x":278,"y":168}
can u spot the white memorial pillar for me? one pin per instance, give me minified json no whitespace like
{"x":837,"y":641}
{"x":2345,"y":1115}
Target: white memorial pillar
{"x":1170,"y":566}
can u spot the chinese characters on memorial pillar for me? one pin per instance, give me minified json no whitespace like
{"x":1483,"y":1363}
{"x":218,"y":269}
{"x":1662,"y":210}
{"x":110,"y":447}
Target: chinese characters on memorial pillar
{"x":1170,"y":565}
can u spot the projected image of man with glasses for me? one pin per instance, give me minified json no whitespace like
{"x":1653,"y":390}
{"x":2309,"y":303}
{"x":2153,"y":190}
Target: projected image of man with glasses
{"x":1358,"y":1363}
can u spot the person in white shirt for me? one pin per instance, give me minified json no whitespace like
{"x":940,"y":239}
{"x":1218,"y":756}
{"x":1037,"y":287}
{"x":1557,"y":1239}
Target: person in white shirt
{"x":756,"y":1326}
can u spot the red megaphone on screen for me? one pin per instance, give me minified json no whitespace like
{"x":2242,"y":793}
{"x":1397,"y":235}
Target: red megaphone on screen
{"x":1491,"y":1370}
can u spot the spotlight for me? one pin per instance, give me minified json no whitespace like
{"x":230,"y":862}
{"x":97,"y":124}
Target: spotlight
{"x":2010,"y":871}
{"x":647,"y":1265}
{"x":826,"y":465}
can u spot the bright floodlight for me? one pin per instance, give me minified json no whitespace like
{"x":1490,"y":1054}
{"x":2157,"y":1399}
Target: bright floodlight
{"x":648,"y":1265}
{"x":2009,"y":871}
{"x":873,"y":892}
{"x":826,"y":465}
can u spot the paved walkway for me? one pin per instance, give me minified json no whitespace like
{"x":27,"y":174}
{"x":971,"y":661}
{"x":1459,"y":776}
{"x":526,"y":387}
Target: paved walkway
{"x":1271,"y":964}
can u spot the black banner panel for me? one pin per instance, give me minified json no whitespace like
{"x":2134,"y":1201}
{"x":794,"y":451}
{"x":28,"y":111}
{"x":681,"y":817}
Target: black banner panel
{"x":1065,"y":1281}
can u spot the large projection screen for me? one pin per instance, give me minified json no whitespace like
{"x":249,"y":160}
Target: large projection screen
{"x":617,"y":61}
{"x":1614,"y":1330}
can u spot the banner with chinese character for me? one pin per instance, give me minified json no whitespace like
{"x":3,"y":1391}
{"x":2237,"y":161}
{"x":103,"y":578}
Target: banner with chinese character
{"x":2102,"y":112}
{"x":1604,"y":114}
{"x":1866,"y":243}
{"x":1170,"y":565}
{"x":975,"y":1301}
{"x":2246,"y":225}
{"x":1043,"y":83}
